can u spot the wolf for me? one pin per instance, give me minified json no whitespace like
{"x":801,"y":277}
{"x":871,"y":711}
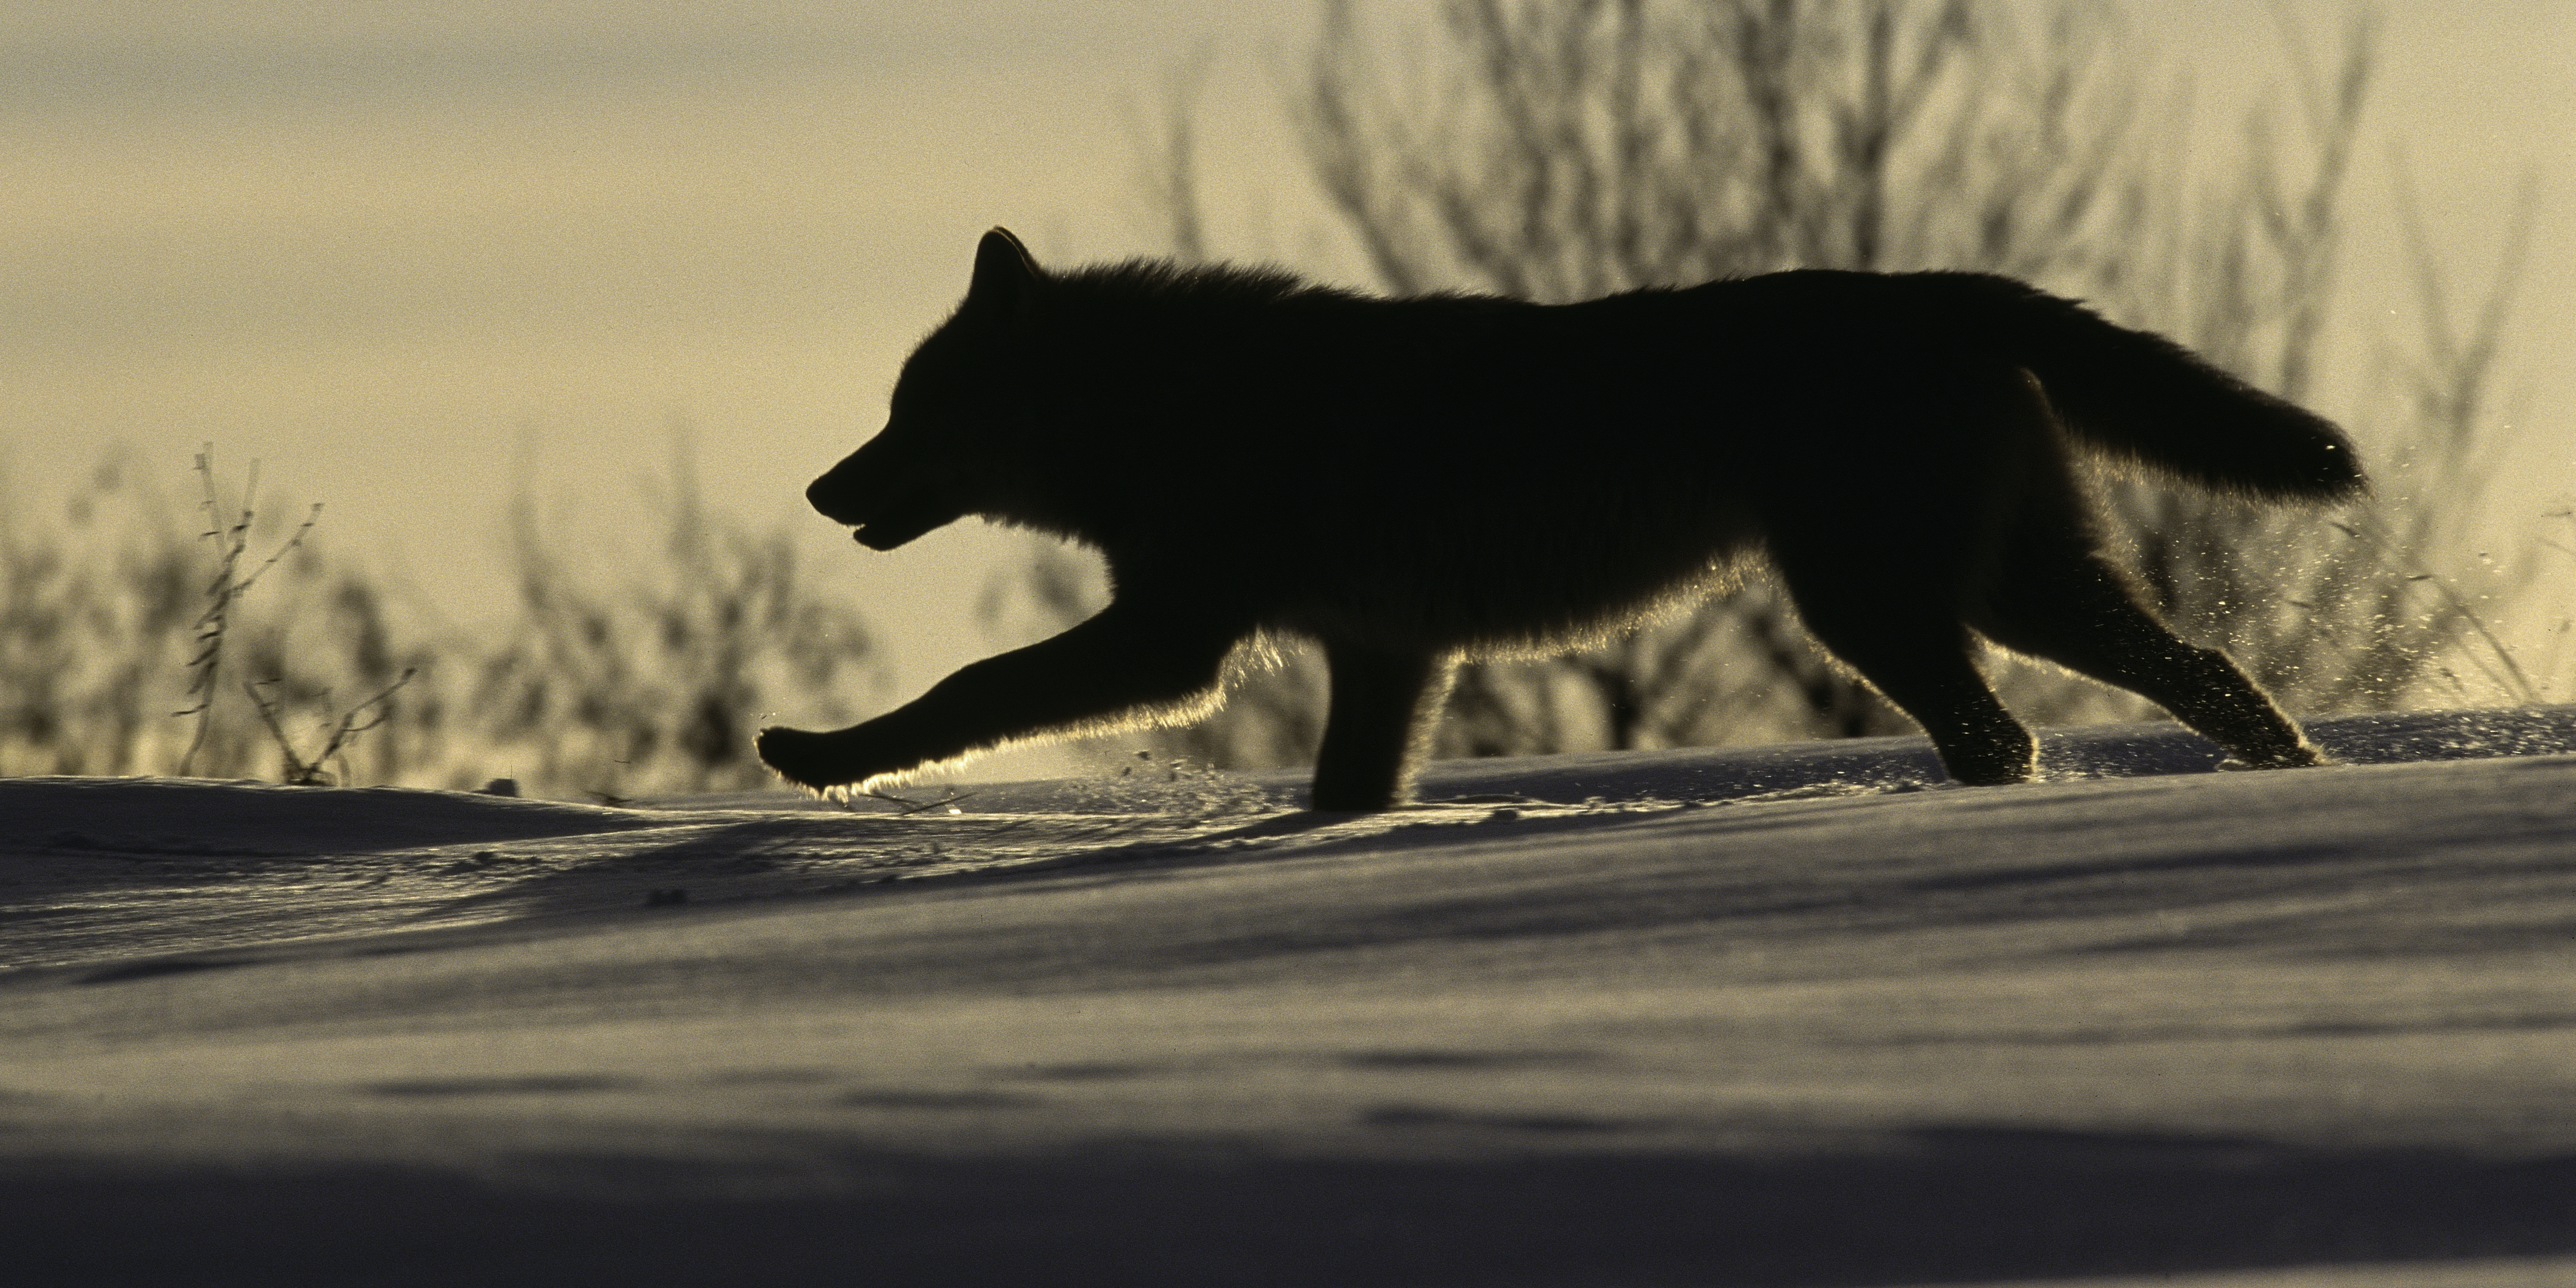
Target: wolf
{"x":1415,"y":481}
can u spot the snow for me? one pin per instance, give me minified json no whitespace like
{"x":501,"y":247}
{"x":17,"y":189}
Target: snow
{"x":1800,"y":1015}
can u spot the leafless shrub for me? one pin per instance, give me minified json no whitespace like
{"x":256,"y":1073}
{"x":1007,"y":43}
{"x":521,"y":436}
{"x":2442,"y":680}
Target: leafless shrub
{"x":657,"y":685}
{"x":2357,"y":612}
{"x":597,"y":685}
{"x":300,"y":770}
{"x":229,"y":530}
{"x":1564,"y":149}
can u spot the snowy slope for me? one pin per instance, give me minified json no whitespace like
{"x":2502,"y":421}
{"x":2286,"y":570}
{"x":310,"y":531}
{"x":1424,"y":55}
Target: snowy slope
{"x":1785,"y":1016}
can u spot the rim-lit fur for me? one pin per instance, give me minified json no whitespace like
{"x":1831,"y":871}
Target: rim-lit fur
{"x":1415,"y":481}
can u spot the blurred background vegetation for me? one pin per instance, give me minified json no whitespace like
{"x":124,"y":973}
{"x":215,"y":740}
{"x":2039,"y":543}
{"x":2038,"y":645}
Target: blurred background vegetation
{"x":1578,"y":147}
{"x":1550,"y":149}
{"x":221,"y":636}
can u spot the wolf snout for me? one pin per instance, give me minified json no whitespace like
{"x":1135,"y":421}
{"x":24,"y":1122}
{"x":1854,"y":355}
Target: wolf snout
{"x":883,"y":516}
{"x":836,"y":499}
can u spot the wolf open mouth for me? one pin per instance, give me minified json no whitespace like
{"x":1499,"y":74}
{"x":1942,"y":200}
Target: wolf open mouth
{"x":900,"y":520}
{"x":887,"y":536}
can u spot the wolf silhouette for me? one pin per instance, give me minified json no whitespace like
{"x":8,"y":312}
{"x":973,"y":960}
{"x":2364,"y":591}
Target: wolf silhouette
{"x":1415,"y":481}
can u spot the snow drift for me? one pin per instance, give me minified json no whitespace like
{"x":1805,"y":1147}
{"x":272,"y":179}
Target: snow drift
{"x":1787,"y":1016}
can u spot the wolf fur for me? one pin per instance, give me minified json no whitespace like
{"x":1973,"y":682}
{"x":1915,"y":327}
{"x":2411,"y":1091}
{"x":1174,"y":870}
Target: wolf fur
{"x":1416,"y":481}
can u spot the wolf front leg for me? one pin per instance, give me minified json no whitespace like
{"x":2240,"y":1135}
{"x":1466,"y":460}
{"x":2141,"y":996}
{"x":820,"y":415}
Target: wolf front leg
{"x":1126,"y":664}
{"x":1385,"y":707}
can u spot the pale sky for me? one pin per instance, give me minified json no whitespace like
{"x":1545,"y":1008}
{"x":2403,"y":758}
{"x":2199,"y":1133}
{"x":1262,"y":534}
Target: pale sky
{"x":399,"y":252}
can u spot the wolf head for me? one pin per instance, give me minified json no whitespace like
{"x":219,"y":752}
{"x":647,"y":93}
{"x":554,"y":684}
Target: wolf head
{"x":956,"y":411}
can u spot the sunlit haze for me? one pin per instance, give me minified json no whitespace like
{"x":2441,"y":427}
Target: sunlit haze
{"x":412,"y":258}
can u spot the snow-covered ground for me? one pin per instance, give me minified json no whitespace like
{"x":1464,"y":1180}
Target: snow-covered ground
{"x":1793,"y":1016}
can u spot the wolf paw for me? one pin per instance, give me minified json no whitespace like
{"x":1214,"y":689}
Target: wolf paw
{"x":804,"y":758}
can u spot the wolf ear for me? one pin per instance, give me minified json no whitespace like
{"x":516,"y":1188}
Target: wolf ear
{"x":1006,"y":280}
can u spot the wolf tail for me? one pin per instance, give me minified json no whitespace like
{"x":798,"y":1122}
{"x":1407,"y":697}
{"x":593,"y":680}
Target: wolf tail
{"x":2139,"y":396}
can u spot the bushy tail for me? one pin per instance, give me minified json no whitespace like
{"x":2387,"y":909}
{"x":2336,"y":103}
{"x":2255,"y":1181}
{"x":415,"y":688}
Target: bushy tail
{"x":2142,"y":397}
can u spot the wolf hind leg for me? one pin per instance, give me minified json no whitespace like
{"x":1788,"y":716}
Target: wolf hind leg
{"x":2070,"y":607}
{"x":1880,"y":570}
{"x":1385,"y":706}
{"x":1914,"y":650}
{"x":1129,"y":661}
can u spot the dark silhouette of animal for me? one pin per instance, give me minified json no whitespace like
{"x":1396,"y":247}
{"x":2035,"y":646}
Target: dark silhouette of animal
{"x":1416,"y":481}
